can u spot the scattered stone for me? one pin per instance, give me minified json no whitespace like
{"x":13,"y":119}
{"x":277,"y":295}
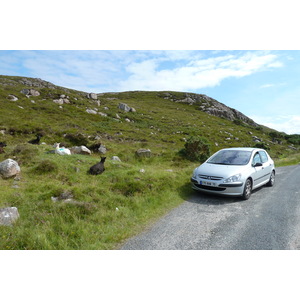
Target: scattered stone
{"x":256,"y":139}
{"x":8,"y":215}
{"x":92,"y":96}
{"x":12,"y":98}
{"x":30,"y":92}
{"x":91,"y":111}
{"x":126,"y":108}
{"x":292,"y":147}
{"x":66,"y":195}
{"x":25,"y":92}
{"x":80,"y":150}
{"x":116,"y":158}
{"x":33,"y":92}
{"x":9,"y":168}
{"x":102,"y":149}
{"x":143,"y":153}
{"x":59,"y":101}
{"x":102,"y":114}
{"x":62,"y":101}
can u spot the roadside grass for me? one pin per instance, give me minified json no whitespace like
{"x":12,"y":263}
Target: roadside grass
{"x":288,"y":160}
{"x":105,"y":210}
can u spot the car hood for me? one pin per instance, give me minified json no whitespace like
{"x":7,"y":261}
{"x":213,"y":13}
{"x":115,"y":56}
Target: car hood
{"x":219,"y":170}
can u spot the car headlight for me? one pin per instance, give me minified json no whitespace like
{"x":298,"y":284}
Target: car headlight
{"x":233,"y":178}
{"x":195,"y":173}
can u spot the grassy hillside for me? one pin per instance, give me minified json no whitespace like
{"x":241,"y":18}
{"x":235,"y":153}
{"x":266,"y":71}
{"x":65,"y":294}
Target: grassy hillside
{"x":104,"y":210}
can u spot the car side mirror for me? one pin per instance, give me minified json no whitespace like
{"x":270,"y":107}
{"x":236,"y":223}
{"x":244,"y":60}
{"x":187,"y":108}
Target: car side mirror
{"x":258,"y":165}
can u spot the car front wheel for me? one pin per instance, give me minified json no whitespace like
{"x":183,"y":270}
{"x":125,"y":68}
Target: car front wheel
{"x":247,"y":189}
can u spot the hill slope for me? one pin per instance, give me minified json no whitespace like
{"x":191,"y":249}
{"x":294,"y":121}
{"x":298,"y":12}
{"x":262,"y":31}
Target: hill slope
{"x":161,"y":118}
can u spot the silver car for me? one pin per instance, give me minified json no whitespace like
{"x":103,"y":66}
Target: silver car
{"x":235,"y":172}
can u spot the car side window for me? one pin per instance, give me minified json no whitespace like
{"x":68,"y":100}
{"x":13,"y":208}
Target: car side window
{"x":256,"y":159}
{"x":264,"y":157}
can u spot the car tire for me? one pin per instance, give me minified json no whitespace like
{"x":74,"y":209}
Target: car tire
{"x":272,"y":179}
{"x":247,"y":189}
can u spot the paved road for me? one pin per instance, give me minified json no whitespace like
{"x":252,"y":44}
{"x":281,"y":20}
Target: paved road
{"x":270,"y":219}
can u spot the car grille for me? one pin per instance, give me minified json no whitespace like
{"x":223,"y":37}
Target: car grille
{"x":211,"y":188}
{"x":207,"y":177}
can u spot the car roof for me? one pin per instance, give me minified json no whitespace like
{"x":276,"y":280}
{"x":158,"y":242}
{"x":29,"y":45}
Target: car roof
{"x":243,"y":149}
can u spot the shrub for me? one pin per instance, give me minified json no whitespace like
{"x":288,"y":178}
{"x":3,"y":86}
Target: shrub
{"x":293,"y":138}
{"x":238,"y":122}
{"x":25,"y":153}
{"x":262,"y":146}
{"x":196,"y":148}
{"x":77,"y":139}
{"x":45,"y":166}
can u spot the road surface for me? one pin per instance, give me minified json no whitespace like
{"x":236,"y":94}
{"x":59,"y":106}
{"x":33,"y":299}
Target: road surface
{"x":270,"y":219}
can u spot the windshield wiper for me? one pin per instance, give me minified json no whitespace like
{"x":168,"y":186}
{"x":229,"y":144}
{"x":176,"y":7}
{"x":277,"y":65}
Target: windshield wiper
{"x":219,"y":163}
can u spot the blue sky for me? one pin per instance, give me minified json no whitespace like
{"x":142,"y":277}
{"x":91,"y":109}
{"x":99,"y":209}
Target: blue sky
{"x":264,"y":85}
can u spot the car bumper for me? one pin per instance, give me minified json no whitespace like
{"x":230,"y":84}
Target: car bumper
{"x":233,"y":189}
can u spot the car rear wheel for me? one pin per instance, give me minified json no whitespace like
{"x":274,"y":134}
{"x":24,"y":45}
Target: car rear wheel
{"x":247,"y":189}
{"x":272,"y":179}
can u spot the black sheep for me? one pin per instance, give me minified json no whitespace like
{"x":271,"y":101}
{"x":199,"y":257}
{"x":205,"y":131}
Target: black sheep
{"x":98,"y":168}
{"x":36,"y":141}
{"x":2,"y":145}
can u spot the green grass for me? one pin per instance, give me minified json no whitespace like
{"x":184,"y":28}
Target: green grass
{"x":121,"y":202}
{"x":108,"y":209}
{"x":288,"y":160}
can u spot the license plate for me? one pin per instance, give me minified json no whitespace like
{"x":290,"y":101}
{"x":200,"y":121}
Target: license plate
{"x":208,"y":183}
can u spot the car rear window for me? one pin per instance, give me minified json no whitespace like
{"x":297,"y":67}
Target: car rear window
{"x":231,"y":157}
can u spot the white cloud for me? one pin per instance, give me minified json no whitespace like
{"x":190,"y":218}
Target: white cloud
{"x":267,"y":85}
{"x":289,"y":124}
{"x":195,"y":73}
{"x":120,"y":70}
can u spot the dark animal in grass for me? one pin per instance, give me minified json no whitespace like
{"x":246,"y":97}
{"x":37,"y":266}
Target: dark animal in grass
{"x":2,"y":145}
{"x":36,"y":141}
{"x":97,"y":168}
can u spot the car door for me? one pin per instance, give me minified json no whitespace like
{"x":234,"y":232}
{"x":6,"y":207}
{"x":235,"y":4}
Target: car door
{"x":259,"y":172}
{"x":267,"y":166}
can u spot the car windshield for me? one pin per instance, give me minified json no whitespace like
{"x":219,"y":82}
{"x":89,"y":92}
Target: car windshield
{"x":231,"y":157}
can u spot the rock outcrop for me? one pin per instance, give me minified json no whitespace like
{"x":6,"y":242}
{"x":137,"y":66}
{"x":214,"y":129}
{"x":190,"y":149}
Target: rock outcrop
{"x":212,"y":107}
